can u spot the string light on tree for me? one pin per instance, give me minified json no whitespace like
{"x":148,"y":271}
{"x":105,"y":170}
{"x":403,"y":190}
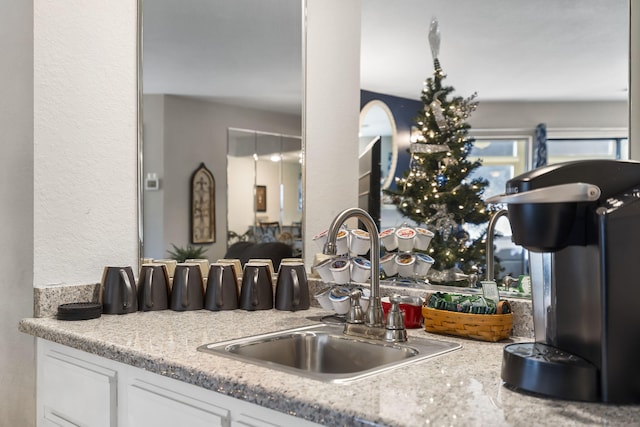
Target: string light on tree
{"x":438,"y":189}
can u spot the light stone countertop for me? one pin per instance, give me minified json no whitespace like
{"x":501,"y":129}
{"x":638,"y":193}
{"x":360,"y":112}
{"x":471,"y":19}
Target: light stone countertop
{"x":459,"y":388}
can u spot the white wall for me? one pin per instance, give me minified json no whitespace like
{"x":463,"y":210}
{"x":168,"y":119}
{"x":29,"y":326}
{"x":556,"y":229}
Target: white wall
{"x":241,"y":174}
{"x":17,"y":360}
{"x":556,"y":115}
{"x":290,"y":179}
{"x":331,"y":115}
{"x":153,"y":162}
{"x":85,"y":139}
{"x":195,"y":131}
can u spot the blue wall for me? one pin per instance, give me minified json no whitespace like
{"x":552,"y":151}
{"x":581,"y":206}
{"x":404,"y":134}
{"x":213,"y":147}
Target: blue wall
{"x":404,"y":112}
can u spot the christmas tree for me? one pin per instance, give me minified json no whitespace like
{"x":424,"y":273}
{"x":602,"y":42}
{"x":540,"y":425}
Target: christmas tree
{"x":437,"y":189}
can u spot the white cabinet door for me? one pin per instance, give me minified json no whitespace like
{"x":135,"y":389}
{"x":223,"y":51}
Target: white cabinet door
{"x":75,"y":392}
{"x":152,"y":405}
{"x":81,"y":389}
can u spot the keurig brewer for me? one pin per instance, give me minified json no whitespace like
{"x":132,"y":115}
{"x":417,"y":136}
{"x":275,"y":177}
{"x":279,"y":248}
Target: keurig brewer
{"x":581,"y":223}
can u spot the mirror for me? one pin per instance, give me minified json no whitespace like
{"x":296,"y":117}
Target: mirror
{"x":167,"y":50}
{"x":376,"y":120}
{"x":555,"y":84}
{"x":264,"y":175}
{"x":209,"y":66}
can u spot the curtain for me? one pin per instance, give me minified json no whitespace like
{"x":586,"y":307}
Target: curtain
{"x":540,"y":146}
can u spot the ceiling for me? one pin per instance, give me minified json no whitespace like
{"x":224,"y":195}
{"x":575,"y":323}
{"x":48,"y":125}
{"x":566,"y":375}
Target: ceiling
{"x":248,"y":52}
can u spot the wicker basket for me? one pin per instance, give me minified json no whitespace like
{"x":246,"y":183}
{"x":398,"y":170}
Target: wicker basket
{"x":486,"y":327}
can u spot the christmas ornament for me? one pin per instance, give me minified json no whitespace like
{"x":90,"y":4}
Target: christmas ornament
{"x":442,"y":220}
{"x":421,"y":147}
{"x":436,"y":109}
{"x":441,"y":179}
{"x":449,"y":161}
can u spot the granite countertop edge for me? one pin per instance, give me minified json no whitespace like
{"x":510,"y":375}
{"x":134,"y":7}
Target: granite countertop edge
{"x":232,"y":386}
{"x":462,"y":387}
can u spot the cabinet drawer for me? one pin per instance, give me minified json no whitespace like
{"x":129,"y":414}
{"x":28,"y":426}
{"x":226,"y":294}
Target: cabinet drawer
{"x":152,"y":405}
{"x":75,"y":392}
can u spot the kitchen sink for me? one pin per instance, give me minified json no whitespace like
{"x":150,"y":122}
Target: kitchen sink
{"x":324,"y":353}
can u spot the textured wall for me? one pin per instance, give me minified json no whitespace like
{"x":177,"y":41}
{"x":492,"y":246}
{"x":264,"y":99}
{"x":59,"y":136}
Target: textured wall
{"x":17,"y":359}
{"x":85,"y":145}
{"x":332,"y":105}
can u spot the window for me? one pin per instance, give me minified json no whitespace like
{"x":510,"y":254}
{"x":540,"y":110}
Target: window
{"x":502,"y":159}
{"x":505,"y":157}
{"x":564,"y":149}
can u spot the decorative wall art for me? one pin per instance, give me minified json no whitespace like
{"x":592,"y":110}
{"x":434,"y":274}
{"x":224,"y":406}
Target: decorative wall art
{"x":203,"y":212}
{"x":261,"y":198}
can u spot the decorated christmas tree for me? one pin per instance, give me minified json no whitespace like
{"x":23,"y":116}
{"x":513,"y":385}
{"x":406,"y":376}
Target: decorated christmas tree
{"x":437,"y":189}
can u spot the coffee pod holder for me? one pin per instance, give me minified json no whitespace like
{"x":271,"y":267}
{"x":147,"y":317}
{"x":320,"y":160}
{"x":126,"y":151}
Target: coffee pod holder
{"x":406,"y":262}
{"x":349,"y":270}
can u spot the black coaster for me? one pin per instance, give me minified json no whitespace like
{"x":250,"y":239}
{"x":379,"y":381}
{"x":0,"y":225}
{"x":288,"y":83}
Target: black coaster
{"x":79,"y":311}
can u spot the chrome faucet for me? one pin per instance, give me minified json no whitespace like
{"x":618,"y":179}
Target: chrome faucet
{"x":507,"y":280}
{"x":372,"y":326}
{"x":374,"y":313}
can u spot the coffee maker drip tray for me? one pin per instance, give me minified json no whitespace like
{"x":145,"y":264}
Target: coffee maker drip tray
{"x":540,"y":368}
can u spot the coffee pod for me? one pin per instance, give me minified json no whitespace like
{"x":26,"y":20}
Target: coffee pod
{"x":405,"y":264}
{"x":323,"y":269}
{"x":423,"y":264}
{"x":406,"y":237}
{"x":360,"y":243}
{"x":388,"y":264}
{"x":339,"y":298}
{"x":321,"y":239}
{"x":342,"y":242}
{"x":324,"y":300}
{"x":423,"y":239}
{"x":340,"y":270}
{"x":389,"y":239}
{"x":360,"y":269}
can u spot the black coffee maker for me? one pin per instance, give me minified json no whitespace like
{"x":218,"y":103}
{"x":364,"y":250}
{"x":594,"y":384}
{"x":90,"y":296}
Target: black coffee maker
{"x":580,"y":222}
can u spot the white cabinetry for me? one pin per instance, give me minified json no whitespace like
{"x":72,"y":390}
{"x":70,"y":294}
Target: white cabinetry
{"x":75,"y":392}
{"x":157,"y":406}
{"x":81,"y":389}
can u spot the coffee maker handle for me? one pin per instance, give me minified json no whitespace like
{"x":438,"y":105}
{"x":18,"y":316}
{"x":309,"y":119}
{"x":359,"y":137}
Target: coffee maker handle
{"x":128,"y":289}
{"x":296,"y":287}
{"x":219,"y":294}
{"x":563,"y":193}
{"x":148,"y":301}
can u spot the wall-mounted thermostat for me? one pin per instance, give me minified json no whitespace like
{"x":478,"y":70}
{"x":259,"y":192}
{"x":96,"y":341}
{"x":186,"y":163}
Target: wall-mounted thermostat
{"x":152,"y":182}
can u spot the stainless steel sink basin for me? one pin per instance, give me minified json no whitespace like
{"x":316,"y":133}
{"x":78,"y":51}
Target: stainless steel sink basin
{"x":324,"y":353}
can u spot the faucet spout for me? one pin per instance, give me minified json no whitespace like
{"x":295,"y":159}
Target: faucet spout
{"x":489,"y":248}
{"x":375,"y":314}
